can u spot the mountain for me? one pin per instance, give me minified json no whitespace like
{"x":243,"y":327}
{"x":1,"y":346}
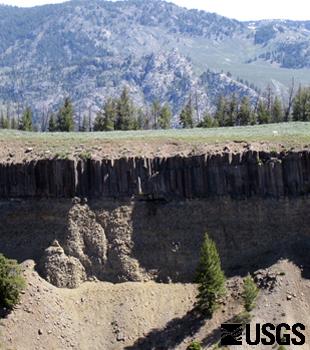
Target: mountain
{"x":90,"y":50}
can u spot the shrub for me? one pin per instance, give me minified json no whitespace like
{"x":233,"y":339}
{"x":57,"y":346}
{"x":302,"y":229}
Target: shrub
{"x":250,"y":292}
{"x":195,"y":345}
{"x":210,"y":277}
{"x":11,"y":282}
{"x":243,"y":318}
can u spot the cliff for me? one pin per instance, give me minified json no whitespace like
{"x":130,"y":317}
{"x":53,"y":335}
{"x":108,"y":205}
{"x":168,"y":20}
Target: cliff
{"x":146,"y":217}
{"x":241,"y":175}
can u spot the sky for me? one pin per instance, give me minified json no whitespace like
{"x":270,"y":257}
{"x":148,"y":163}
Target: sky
{"x":238,"y":9}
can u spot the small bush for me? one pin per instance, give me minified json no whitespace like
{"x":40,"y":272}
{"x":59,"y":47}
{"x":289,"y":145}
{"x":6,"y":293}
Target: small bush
{"x":250,"y":292}
{"x":11,"y":282}
{"x":195,"y":345}
{"x":243,"y":318}
{"x":210,"y":277}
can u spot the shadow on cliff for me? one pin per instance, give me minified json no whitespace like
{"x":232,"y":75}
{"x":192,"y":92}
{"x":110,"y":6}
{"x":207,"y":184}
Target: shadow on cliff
{"x":167,"y":236}
{"x":27,"y":228}
{"x":172,"y":334}
{"x":250,"y":235}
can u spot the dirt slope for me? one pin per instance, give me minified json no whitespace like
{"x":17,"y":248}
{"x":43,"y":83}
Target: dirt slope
{"x":132,"y":316}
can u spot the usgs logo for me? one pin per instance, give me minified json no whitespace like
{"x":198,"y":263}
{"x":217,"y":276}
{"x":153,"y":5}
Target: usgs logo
{"x":265,"y":334}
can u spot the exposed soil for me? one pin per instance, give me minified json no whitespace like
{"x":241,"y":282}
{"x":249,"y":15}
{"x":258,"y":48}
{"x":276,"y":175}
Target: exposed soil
{"x":16,"y":151}
{"x":100,"y":315}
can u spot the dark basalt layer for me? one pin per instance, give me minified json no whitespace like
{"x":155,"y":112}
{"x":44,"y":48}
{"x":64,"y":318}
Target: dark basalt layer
{"x":241,"y":175}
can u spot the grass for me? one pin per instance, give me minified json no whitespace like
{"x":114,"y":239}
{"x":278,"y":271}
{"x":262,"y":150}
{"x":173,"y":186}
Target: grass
{"x":294,"y":134}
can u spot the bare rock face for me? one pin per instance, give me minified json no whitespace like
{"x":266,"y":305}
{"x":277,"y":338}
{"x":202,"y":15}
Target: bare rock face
{"x":83,"y":253}
{"x":238,"y":176}
{"x":86,"y":240}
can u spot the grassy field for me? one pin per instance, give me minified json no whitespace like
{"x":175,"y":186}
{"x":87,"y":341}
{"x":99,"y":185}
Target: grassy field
{"x":275,"y":137}
{"x":295,"y":132}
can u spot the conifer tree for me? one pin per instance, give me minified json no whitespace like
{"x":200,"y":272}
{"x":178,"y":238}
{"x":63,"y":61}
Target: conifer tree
{"x":124,"y":112}
{"x":263,"y":116}
{"x":210,"y":278}
{"x":65,"y":120}
{"x":142,"y":119}
{"x":52,"y":125}
{"x":301,"y":105}
{"x":244,"y":115}
{"x":26,"y":122}
{"x":250,"y":292}
{"x":277,"y":114}
{"x":221,"y":109}
{"x":164,"y":118}
{"x":105,"y":119}
{"x":186,"y":116}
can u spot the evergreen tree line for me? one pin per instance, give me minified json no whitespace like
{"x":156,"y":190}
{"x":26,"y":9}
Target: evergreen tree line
{"x":121,"y":114}
{"x":63,"y":120}
{"x":268,"y":109}
{"x":24,"y":123}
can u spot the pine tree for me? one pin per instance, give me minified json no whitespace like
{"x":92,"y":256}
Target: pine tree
{"x":186,"y":116}
{"x":244,"y":115}
{"x":142,"y":121}
{"x":231,"y":112}
{"x":26,"y":122}
{"x":124,"y":112}
{"x":52,"y":125}
{"x":250,"y":292}
{"x":164,"y":118}
{"x":105,"y":118}
{"x":263,"y":116}
{"x":210,"y":278}
{"x":277,"y":113}
{"x":65,"y":120}
{"x":301,"y":105}
{"x":221,"y":108}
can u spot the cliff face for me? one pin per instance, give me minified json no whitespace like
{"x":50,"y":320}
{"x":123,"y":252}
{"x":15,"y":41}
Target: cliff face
{"x":146,"y":218}
{"x":241,"y":175}
{"x":120,"y":241}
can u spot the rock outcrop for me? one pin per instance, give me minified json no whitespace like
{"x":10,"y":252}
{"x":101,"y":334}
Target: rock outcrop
{"x":242,"y":175}
{"x":83,"y":252}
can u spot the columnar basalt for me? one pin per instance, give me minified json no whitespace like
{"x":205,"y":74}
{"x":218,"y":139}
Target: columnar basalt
{"x":239,"y":175}
{"x":145,"y":219}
